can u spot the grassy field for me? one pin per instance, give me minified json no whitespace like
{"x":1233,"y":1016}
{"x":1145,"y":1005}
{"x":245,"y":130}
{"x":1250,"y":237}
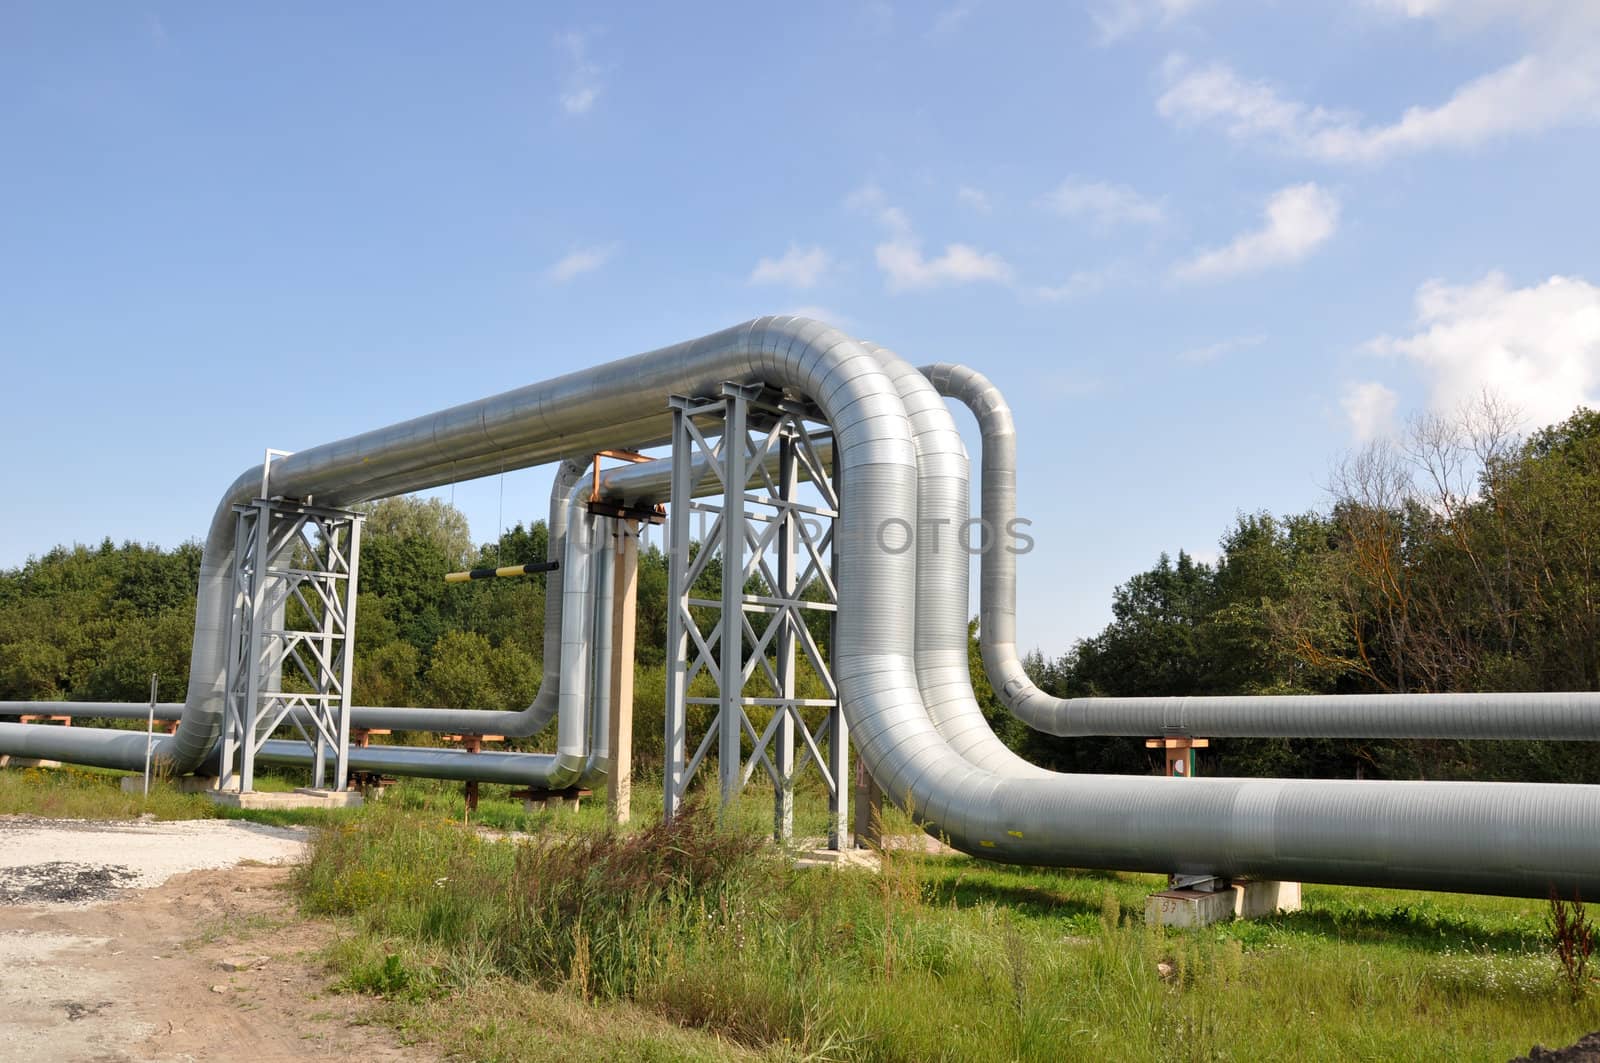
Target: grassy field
{"x":698,"y":942}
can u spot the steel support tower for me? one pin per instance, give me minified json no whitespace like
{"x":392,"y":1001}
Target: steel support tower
{"x":776,"y":569}
{"x":291,"y":638}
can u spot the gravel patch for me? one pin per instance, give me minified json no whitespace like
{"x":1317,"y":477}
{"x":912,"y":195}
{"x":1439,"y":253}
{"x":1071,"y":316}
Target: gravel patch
{"x":75,"y":863}
{"x":60,"y":882}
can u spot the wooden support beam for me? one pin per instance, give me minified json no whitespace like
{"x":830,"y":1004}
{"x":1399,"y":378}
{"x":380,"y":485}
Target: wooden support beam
{"x":619,"y":781}
{"x":472,"y":743}
{"x":362,"y":736}
{"x":868,"y":809}
{"x":569,"y":799}
{"x":1180,"y":752}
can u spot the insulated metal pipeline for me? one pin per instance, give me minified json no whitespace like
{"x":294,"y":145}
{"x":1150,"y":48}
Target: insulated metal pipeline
{"x":512,"y":769}
{"x":637,"y":485}
{"x":105,"y":710}
{"x":1494,"y":838}
{"x":944,"y":672}
{"x":1571,"y":717}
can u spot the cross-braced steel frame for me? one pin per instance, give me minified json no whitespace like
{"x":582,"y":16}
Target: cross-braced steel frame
{"x":291,"y":639}
{"x":776,"y":563}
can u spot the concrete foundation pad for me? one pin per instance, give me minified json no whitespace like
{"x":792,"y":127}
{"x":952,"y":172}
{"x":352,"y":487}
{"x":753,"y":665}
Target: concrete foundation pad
{"x":1244,"y":899}
{"x":552,"y":804}
{"x":1262,"y":899}
{"x":867,"y":859}
{"x":1188,"y":907}
{"x":305,"y":797}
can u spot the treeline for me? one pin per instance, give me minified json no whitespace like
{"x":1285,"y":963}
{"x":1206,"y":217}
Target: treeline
{"x":1456,"y":558}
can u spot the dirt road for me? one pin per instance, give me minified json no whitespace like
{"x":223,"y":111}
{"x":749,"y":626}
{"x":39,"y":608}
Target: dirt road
{"x":117,"y":951}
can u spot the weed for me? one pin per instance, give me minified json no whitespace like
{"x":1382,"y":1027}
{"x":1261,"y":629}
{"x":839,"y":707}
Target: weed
{"x":1572,"y":938}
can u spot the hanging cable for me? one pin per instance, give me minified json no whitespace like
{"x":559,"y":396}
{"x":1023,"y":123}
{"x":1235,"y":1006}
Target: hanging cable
{"x":500,"y":536}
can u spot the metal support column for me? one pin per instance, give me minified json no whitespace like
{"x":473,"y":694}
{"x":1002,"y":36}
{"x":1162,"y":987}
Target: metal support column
{"x":674,"y":778}
{"x":730,"y":757}
{"x":291,"y":635}
{"x":783,"y":740}
{"x":838,"y":729}
{"x":762,"y":538}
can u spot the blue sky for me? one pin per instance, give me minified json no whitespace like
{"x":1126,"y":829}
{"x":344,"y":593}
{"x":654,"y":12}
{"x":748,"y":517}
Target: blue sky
{"x":1204,"y":246}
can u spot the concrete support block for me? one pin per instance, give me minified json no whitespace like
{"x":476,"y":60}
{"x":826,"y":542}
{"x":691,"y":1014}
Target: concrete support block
{"x":1188,"y":908}
{"x":1261,"y":900}
{"x":305,"y":797}
{"x":1244,"y":899}
{"x":553,"y":803}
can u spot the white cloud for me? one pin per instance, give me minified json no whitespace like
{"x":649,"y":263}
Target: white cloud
{"x":1079,"y":284}
{"x":1297,"y":221}
{"x":901,"y":257}
{"x":903,"y":263}
{"x":869,"y":199}
{"x":1536,"y":348}
{"x":1550,"y":20}
{"x":800,"y":267}
{"x":582,"y":85}
{"x":1115,"y":19}
{"x":1104,"y":204}
{"x":584,"y":260}
{"x":1555,"y":84}
{"x":1370,"y":408}
{"x":975,"y":198}
{"x":1210,"y":352}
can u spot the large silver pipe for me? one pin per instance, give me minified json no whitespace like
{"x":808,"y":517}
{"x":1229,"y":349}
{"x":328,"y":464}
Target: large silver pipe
{"x":1551,"y":717}
{"x":105,"y":710}
{"x":1492,"y":838}
{"x":513,"y":769}
{"x":944,"y":673}
{"x":636,"y":485}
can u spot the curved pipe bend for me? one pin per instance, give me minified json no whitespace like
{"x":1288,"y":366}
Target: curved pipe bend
{"x":943,"y":572}
{"x":1571,"y":717}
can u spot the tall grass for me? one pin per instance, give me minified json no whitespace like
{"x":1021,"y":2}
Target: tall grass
{"x":935,"y":958}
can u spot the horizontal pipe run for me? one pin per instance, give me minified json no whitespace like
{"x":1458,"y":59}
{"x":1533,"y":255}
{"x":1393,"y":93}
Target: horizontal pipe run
{"x":1546,"y":717}
{"x":539,"y":770}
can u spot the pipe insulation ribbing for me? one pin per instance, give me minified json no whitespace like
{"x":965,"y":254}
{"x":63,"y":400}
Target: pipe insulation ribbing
{"x":944,"y":673}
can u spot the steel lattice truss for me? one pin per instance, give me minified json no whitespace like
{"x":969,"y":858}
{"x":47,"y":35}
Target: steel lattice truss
{"x":776,"y":565}
{"x":291,"y":639}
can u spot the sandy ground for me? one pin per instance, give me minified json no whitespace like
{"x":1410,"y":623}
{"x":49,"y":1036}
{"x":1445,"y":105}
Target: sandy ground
{"x":116,"y":952}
